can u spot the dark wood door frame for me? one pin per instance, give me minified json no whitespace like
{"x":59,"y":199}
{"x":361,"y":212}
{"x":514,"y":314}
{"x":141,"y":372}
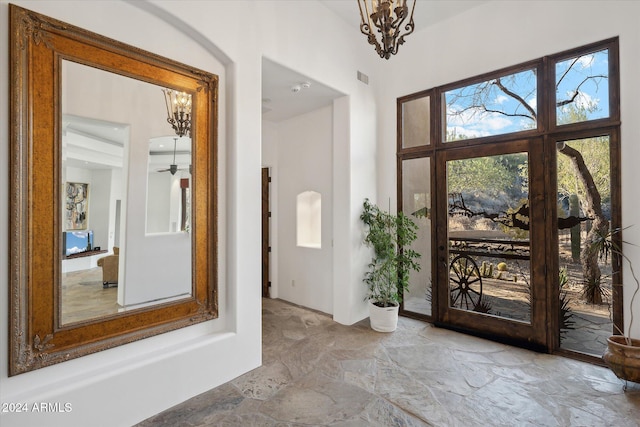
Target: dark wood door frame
{"x":531,"y":335}
{"x":266,"y":249}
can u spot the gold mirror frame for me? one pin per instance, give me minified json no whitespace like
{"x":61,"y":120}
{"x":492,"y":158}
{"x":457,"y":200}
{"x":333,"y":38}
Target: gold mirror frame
{"x":38,"y":44}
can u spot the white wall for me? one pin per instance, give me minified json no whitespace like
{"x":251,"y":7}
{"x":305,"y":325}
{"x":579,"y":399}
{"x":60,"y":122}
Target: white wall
{"x":503,"y":33}
{"x":158,"y":202}
{"x":100,"y":209}
{"x":304,"y":163}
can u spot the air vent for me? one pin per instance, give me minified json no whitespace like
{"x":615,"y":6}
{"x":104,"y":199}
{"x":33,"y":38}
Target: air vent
{"x":363,"y":77}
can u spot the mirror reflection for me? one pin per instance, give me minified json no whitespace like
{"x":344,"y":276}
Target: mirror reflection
{"x":126,"y":174}
{"x":168,"y":185}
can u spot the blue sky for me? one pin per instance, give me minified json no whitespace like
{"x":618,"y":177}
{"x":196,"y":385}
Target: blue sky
{"x":76,"y":242}
{"x":592,"y":92}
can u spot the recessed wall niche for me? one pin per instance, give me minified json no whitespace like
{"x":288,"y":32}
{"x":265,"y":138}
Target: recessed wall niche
{"x":309,"y":219}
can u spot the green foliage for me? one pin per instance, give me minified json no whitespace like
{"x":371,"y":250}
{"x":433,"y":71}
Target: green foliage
{"x":566,"y":323}
{"x":483,"y":306}
{"x":390,"y":237}
{"x":482,"y":174}
{"x":595,"y":152}
{"x":489,"y":177}
{"x":573,"y":113}
{"x":608,"y":244}
{"x":593,"y":290}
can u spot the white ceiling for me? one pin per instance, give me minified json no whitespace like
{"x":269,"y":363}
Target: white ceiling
{"x":426,"y":12}
{"x":98,"y":144}
{"x":280,"y":103}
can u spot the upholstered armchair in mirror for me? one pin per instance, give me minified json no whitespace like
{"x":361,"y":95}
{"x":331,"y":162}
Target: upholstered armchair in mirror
{"x":109,"y":265}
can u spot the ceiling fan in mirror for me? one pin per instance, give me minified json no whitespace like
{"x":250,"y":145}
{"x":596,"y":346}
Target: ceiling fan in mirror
{"x":173,"y":167}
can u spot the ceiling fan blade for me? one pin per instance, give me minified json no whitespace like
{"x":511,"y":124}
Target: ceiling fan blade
{"x":173,"y":169}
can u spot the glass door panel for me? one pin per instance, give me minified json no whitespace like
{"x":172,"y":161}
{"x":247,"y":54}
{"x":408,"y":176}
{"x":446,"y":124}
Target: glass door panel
{"x":416,"y":204}
{"x":488,"y":229}
{"x":585,"y":278}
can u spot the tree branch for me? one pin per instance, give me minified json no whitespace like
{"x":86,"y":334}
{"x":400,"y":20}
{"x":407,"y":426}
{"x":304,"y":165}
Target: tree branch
{"x":517,"y":98}
{"x":577,"y":90}
{"x":567,"y":71}
{"x":508,"y":114}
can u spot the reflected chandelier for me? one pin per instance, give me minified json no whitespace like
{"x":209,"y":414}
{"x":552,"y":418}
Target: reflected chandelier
{"x":388,"y":17}
{"x":178,"y":111}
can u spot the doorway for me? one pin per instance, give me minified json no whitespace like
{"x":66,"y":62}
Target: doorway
{"x":266,"y":246}
{"x":491,"y":248}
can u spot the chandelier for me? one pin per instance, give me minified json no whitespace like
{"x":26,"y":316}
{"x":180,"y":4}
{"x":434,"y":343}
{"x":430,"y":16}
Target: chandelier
{"x":388,"y":17}
{"x":178,"y":111}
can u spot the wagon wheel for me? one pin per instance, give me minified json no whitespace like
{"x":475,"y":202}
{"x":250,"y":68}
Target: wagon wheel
{"x":465,"y":283}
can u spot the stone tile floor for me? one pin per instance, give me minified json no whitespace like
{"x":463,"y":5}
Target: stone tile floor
{"x":316,"y":372}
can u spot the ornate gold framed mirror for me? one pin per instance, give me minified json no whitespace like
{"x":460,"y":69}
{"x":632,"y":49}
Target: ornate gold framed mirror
{"x":73,"y":181}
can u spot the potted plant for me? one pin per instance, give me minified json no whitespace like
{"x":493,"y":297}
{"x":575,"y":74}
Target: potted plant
{"x":388,"y":276}
{"x":623,"y":352}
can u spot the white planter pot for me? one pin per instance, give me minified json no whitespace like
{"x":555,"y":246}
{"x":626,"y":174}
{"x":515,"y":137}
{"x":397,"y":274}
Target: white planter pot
{"x":383,"y":319}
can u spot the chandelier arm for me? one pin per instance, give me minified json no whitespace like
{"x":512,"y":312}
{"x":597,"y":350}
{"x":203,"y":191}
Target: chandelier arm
{"x":361,"y":14}
{"x":365,"y":26}
{"x":364,"y":29}
{"x":389,"y":19}
{"x":410,"y":25}
{"x":412,"y":9}
{"x":398,"y":27}
{"x":401,"y":15}
{"x":166,"y":102}
{"x":366,"y":8}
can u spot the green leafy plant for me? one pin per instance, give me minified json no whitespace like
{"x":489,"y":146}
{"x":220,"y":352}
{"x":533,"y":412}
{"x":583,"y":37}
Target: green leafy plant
{"x":606,"y":244}
{"x":390,"y":237}
{"x":566,"y":322}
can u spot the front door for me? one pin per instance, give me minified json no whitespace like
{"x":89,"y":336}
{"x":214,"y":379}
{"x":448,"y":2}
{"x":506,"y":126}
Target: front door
{"x":490,"y":239}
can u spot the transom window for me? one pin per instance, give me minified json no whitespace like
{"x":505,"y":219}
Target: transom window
{"x":582,"y":87}
{"x":504,"y":104}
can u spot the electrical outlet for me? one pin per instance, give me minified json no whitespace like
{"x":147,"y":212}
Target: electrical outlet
{"x":293,"y":283}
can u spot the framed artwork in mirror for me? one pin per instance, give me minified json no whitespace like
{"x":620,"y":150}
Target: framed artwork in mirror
{"x":84,"y":110}
{"x":76,"y":205}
